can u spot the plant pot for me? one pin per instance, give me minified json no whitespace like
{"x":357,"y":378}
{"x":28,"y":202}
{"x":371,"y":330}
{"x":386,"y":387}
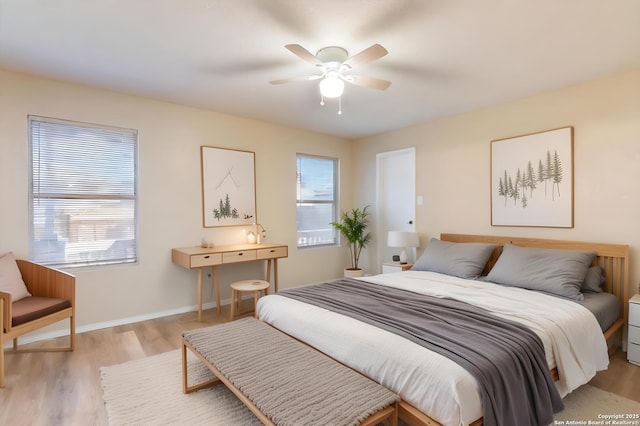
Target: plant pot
{"x":353,"y":273}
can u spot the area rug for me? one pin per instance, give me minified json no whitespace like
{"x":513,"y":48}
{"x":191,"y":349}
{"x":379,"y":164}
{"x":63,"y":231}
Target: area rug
{"x":591,"y":406}
{"x":149,"y":392}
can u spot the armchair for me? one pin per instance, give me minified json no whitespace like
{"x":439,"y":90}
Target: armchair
{"x":52,"y":299}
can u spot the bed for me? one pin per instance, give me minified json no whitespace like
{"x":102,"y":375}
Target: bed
{"x":433,"y":388}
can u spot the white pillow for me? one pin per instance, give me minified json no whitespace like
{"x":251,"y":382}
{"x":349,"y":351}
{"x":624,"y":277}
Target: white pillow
{"x":11,"y":279}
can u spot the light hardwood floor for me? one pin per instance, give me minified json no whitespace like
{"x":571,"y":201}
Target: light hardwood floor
{"x":63,"y":388}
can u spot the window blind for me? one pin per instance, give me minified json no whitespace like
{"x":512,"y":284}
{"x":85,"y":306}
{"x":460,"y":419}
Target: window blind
{"x":83,"y":193}
{"x":317,"y":183}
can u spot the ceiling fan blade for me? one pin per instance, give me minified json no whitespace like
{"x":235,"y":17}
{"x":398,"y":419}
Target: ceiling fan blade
{"x":303,"y":54}
{"x":370,"y":82}
{"x":294,"y":79}
{"x":367,"y":55}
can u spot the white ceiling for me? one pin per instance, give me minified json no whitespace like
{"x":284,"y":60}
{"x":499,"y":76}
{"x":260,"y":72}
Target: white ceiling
{"x":445,"y":56}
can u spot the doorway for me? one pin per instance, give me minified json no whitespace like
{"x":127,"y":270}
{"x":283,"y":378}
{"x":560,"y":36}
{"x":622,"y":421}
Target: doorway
{"x":396,"y":190}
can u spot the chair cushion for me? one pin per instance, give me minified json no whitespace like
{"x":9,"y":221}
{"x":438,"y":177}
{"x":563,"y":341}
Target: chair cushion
{"x":31,"y":308}
{"x":11,"y":279}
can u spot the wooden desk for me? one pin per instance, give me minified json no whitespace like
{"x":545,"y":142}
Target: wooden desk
{"x":200,"y":258}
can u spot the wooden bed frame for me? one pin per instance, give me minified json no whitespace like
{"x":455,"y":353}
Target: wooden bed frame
{"x":613,"y":258}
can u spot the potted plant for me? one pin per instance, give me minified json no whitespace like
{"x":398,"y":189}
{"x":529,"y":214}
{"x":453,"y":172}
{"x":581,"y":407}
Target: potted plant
{"x":353,"y":227}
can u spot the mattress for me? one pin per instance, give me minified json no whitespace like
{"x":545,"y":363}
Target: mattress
{"x":570,"y":333}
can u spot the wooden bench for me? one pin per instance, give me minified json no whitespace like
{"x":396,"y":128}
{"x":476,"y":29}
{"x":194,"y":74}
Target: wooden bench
{"x":284,"y":381}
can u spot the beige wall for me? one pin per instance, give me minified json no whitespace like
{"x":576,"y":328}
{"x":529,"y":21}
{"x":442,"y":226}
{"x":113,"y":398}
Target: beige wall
{"x":453,"y":163}
{"x":453,"y":157}
{"x":170,"y":209}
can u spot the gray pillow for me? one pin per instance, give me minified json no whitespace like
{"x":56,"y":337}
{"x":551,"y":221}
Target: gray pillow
{"x":559,"y":272}
{"x":594,"y":281}
{"x":464,"y":260}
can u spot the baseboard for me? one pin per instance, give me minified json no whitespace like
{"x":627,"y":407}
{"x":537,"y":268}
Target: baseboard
{"x":36,"y":337}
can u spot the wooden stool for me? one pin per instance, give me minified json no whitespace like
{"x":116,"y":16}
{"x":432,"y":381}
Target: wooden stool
{"x":238,"y":287}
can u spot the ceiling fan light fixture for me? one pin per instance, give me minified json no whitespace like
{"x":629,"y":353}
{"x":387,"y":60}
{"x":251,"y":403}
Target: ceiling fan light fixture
{"x":331,"y":87}
{"x":333,"y":62}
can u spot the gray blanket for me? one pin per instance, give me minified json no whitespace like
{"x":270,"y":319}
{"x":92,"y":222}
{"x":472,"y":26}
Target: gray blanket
{"x":506,"y":358}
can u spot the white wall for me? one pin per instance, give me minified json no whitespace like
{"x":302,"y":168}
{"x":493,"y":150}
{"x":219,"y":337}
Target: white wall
{"x":453,"y":163}
{"x":170,"y":206}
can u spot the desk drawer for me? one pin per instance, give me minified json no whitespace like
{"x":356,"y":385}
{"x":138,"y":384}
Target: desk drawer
{"x":200,"y":260}
{"x":271,"y":253}
{"x":238,"y":256}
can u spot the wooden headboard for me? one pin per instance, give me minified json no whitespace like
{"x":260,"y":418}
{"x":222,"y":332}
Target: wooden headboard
{"x":613,"y":258}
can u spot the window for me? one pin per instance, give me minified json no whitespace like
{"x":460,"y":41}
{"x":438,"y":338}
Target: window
{"x":317,"y":183}
{"x":82,"y":193}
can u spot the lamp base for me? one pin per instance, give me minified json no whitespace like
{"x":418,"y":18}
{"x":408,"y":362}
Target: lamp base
{"x":403,"y":257}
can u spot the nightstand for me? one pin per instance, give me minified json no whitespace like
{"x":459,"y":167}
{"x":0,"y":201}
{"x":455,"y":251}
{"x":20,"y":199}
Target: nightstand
{"x":633,"y":337}
{"x":390,"y":267}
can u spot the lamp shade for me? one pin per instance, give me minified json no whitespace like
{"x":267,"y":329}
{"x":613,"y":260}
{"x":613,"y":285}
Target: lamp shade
{"x":397,"y":239}
{"x":403,"y":239}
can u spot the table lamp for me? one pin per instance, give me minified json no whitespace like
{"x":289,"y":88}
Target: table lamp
{"x":403,"y":239}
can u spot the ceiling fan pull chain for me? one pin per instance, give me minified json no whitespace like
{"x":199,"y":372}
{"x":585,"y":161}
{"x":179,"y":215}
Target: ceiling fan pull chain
{"x":321,"y":99}
{"x":339,"y":105}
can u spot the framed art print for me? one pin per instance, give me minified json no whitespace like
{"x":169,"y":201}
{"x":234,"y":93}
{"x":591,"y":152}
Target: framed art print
{"x":532,"y":179}
{"x":228,"y":187}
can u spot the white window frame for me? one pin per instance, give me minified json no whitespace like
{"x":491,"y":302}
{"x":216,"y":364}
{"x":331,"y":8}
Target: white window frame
{"x":327,"y":235}
{"x":82,"y":214}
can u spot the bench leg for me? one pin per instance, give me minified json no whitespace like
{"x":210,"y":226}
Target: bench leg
{"x":387,"y":416}
{"x":185,"y":385}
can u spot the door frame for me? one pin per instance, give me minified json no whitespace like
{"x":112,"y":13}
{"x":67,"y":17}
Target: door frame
{"x":380,"y":225}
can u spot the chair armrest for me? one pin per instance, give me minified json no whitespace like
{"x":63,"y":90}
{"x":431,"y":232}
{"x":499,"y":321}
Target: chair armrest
{"x":44,"y":281}
{"x":5,"y":317}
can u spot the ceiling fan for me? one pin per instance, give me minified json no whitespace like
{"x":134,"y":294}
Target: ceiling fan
{"x":334,"y":65}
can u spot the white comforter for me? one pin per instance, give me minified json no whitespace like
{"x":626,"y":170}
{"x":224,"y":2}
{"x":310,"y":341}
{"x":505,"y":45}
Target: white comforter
{"x":571,"y":335}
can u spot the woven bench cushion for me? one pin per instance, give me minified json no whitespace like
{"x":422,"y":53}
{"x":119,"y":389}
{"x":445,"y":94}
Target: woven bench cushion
{"x":31,"y":308}
{"x":290,"y":382}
